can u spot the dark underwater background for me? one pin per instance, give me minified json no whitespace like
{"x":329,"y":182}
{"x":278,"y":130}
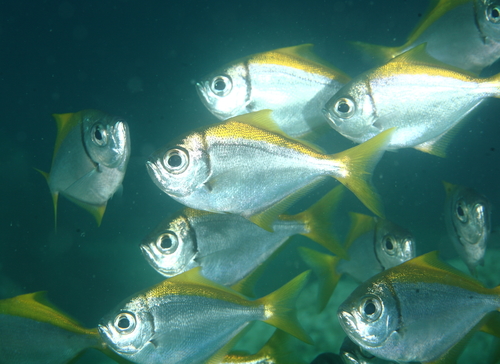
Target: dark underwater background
{"x":140,"y":60}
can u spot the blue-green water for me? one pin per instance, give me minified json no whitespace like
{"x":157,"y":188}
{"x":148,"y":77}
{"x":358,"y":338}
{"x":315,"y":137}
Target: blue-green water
{"x":140,"y":60}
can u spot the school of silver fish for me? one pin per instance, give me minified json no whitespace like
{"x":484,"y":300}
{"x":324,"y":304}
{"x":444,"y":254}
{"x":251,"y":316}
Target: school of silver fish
{"x":239,"y":178}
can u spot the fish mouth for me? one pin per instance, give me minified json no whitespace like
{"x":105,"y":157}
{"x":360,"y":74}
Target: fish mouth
{"x":348,"y":323}
{"x":329,"y":116}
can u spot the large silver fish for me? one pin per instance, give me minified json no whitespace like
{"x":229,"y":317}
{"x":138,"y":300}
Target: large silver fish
{"x":244,"y":166}
{"x":467,"y":216}
{"x":373,"y":245}
{"x":228,"y":247}
{"x":293,"y":82}
{"x":90,"y":159}
{"x":420,"y":96}
{"x":416,"y":311}
{"x":188,"y":319}
{"x":461,"y":33}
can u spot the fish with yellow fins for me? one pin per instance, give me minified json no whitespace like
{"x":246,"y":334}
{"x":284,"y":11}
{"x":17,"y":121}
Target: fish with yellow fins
{"x":228,"y":247}
{"x":292,"y":81}
{"x":468,"y":221}
{"x":373,"y":245}
{"x":423,"y":98}
{"x":421,"y":310}
{"x":90,"y":159}
{"x":248,"y":166}
{"x":189,"y":319}
{"x":33,"y":331}
{"x":461,"y":33}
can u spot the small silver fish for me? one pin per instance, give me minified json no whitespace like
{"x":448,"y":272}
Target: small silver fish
{"x":461,"y":33}
{"x":188,"y":319}
{"x":244,"y":166}
{"x":373,"y":245}
{"x":32,"y":331}
{"x":90,"y":159}
{"x":467,"y":216}
{"x":229,"y":247}
{"x":417,"y":311}
{"x":293,"y":82}
{"x":420,"y":96}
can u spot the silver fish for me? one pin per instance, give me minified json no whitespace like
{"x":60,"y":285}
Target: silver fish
{"x":293,"y":82}
{"x":240,"y":166}
{"x":420,"y":96}
{"x":90,"y":159}
{"x":416,"y":311}
{"x":229,"y":247}
{"x":188,"y":319}
{"x":467,"y":216}
{"x":353,"y":354}
{"x":461,"y":33}
{"x":373,"y":245}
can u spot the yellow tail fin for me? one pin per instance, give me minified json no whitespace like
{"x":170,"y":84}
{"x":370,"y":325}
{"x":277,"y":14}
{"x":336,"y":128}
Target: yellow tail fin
{"x":358,"y":164}
{"x":280,"y":307}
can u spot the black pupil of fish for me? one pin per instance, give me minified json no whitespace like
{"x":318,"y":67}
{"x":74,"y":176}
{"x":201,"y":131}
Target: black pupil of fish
{"x":388,"y":244}
{"x":123,"y":322}
{"x":369,"y":308}
{"x":460,"y":211}
{"x":166,"y":242}
{"x":98,"y":134}
{"x":495,"y":13}
{"x":174,"y":160}
{"x":343,"y":107}
{"x":220,"y":85}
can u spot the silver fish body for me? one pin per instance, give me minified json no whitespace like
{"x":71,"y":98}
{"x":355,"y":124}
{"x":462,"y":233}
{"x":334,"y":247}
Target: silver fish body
{"x":227,"y":247}
{"x":467,"y":216}
{"x":236,"y":167}
{"x":90,"y":159}
{"x":416,"y":311}
{"x":188,"y":319}
{"x":292,"y":82}
{"x":421,"y":97}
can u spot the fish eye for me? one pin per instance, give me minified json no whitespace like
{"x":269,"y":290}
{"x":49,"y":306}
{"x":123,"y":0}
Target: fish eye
{"x":493,"y":13}
{"x":344,"y":107}
{"x":388,"y":244}
{"x":167,"y":242}
{"x":99,"y":134}
{"x":221,"y":85}
{"x":125,"y":322}
{"x":176,"y":160}
{"x":461,"y":215}
{"x":371,"y":308}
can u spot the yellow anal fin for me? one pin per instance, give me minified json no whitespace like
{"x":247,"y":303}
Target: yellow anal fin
{"x":358,"y":164}
{"x":55,"y":196}
{"x":324,"y":267}
{"x":95,"y":210}
{"x":360,"y":225}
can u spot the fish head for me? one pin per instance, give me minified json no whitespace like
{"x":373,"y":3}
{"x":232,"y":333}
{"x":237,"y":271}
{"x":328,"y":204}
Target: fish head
{"x":226,"y":92}
{"x":487,"y":14}
{"x":129,"y":329}
{"x":351,"y":112}
{"x":180,"y":168}
{"x":471,"y":223}
{"x":393,"y":244}
{"x":369,"y":316}
{"x":106,"y":140}
{"x":171,"y":247}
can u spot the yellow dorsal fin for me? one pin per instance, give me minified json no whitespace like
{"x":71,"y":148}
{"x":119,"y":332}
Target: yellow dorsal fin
{"x":306,"y":51}
{"x":65,"y":123}
{"x":419,"y":55}
{"x":449,"y":187}
{"x":360,"y":225}
{"x":263,"y":119}
{"x":436,"y":10}
{"x":35,"y":306}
